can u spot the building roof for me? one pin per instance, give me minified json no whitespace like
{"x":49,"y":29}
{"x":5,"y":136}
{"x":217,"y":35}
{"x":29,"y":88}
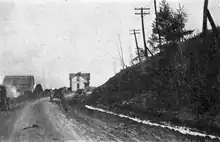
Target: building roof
{"x":86,"y":76}
{"x":18,"y":80}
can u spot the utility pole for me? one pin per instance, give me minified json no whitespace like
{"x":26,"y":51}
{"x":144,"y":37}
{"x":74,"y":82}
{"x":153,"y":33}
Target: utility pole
{"x":215,"y":30}
{"x":43,"y":79}
{"x":213,"y":67}
{"x":135,"y":32}
{"x":155,"y":8}
{"x":142,"y":13}
{"x":205,"y":12}
{"x":122,"y":56}
{"x":130,"y":53}
{"x":212,"y":23}
{"x":114,"y":66}
{"x":207,"y":16}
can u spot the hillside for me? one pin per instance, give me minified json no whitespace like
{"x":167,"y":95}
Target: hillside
{"x":178,"y":85}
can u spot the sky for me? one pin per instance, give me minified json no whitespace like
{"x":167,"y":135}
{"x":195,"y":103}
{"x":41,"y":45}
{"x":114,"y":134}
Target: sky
{"x":52,"y":38}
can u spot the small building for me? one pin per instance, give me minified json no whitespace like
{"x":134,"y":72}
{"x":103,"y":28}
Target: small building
{"x":79,"y":81}
{"x":22,"y":83}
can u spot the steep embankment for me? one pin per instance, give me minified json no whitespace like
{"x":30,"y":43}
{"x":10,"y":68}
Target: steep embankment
{"x":176,"y":86}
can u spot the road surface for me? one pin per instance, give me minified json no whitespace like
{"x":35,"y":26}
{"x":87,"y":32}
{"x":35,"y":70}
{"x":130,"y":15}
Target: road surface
{"x":43,"y":121}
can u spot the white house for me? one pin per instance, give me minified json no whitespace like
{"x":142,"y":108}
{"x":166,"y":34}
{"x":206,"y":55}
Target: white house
{"x":79,"y":81}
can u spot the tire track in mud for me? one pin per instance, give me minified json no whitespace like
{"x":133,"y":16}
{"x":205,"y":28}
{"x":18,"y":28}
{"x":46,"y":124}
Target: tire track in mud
{"x":59,"y":122}
{"x":81,"y":131}
{"x":23,"y":124}
{"x":33,"y":124}
{"x":44,"y":121}
{"x":98,"y":130}
{"x":7,"y":119}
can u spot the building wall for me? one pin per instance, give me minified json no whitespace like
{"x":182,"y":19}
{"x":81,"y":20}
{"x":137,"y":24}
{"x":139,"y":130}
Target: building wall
{"x":74,"y":86}
{"x":80,"y":82}
{"x":23,"y":83}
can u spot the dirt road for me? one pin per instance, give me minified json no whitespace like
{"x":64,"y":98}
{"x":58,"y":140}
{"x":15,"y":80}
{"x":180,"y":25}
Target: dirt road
{"x":44,"y":121}
{"x":36,"y":121}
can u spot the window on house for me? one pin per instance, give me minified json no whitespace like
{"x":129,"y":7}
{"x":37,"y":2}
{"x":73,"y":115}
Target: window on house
{"x":77,"y":85}
{"x":77,"y":78}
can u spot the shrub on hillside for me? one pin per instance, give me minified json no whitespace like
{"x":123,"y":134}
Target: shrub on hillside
{"x":38,"y":91}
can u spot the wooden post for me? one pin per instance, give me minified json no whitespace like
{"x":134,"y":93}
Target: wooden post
{"x":143,"y":30}
{"x":207,"y":16}
{"x":135,"y":32}
{"x":122,"y":56}
{"x":205,"y":11}
{"x":155,"y":8}
{"x":130,"y":53}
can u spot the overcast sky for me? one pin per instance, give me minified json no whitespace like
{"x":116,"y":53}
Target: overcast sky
{"x":53,"y":38}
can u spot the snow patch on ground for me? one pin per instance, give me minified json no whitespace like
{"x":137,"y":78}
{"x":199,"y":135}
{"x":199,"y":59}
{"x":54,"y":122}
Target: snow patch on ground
{"x":183,"y":130}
